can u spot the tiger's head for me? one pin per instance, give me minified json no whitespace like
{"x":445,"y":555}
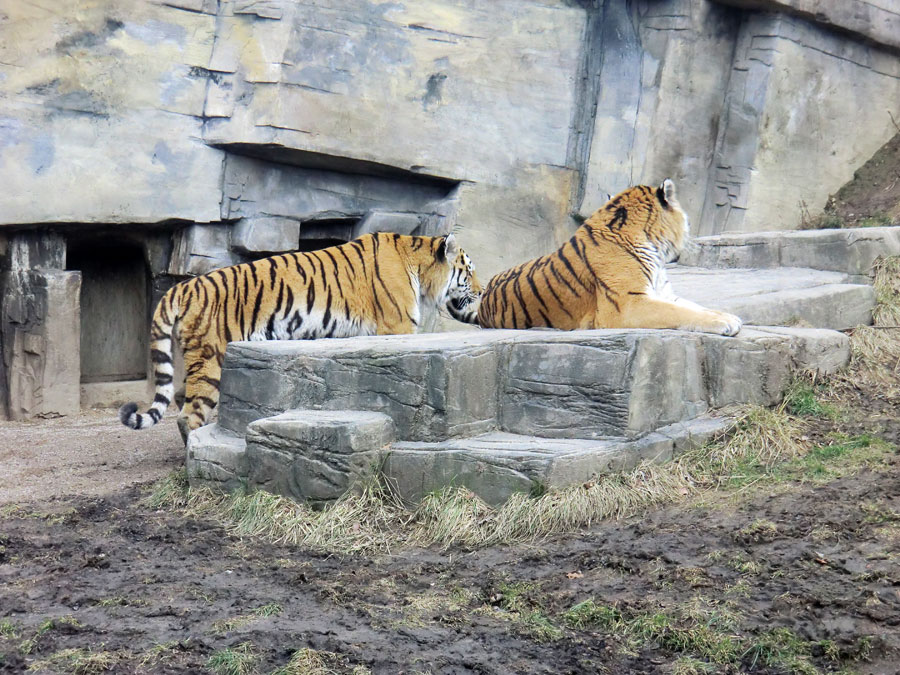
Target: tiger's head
{"x":647,"y":214}
{"x":451,"y":280}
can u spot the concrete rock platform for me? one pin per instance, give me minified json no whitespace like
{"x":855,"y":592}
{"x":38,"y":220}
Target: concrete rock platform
{"x":503,"y":411}
{"x":780,"y":296}
{"x":496,"y":411}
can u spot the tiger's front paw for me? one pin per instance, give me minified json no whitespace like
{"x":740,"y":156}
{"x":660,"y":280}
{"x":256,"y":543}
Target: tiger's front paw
{"x":728,"y":324}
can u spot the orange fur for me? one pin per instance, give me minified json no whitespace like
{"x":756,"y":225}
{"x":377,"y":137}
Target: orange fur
{"x":610,"y":274}
{"x":375,"y":285}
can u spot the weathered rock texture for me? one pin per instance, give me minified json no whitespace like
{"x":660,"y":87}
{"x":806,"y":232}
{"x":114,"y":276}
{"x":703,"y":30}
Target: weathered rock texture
{"x":207,"y":133}
{"x":497,"y":411}
{"x":136,"y":112}
{"x":851,"y":251}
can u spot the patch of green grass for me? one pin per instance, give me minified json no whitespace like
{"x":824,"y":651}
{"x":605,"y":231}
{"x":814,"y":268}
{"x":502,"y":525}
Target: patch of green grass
{"x":116,"y":601}
{"x":512,"y":596}
{"x":8,"y":630}
{"x":541,"y":627}
{"x":828,"y":221}
{"x":705,"y":636}
{"x":78,"y":661}
{"x":886,"y":281}
{"x":312,"y":662}
{"x":160,"y":653}
{"x":876,"y":220}
{"x":759,"y":530}
{"x":878,"y":513}
{"x":241,"y":620}
{"x":847,"y":454}
{"x":782,"y":649}
{"x":241,"y":659}
{"x":27,"y":646}
{"x":803,"y":400}
{"x":688,"y":665}
{"x":700,"y":632}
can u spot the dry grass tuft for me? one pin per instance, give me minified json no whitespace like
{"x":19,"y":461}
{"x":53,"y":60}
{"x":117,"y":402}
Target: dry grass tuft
{"x":373,"y":519}
{"x":875,"y":350}
{"x":886,"y":280}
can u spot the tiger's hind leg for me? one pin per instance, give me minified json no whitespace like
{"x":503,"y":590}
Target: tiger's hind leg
{"x":201,"y":388}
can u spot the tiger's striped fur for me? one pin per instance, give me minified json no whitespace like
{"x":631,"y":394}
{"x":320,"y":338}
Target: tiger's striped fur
{"x":378,"y":284}
{"x":610,"y":274}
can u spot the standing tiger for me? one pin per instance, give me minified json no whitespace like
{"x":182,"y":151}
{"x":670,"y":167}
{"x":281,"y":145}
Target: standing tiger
{"x":610,"y":274}
{"x":378,"y":284}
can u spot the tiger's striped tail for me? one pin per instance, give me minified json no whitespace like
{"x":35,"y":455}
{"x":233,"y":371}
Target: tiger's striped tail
{"x":161,"y":334}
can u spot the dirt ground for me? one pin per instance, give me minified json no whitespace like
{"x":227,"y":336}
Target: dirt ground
{"x":84,"y":565}
{"x":89,"y":454}
{"x":872,"y":197}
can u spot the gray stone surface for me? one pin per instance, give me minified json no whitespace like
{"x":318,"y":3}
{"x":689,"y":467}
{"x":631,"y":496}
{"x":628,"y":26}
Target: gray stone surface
{"x":850,"y":251}
{"x":877,"y":21}
{"x":265,"y":234}
{"x":381,"y":221}
{"x":432,"y":386}
{"x":316,"y":456}
{"x":217,"y":458}
{"x":496,"y":411}
{"x":200,"y":249}
{"x":587,"y":384}
{"x":525,"y":110}
{"x":497,"y":464}
{"x":786,"y":75}
{"x":779,"y":296}
{"x":40,"y":328}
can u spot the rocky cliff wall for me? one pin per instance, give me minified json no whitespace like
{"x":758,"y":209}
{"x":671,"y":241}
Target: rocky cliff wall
{"x":117,"y":111}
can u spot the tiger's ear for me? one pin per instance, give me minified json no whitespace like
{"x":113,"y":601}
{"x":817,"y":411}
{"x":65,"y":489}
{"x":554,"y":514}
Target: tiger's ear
{"x":448,"y":248}
{"x":666,"y":192}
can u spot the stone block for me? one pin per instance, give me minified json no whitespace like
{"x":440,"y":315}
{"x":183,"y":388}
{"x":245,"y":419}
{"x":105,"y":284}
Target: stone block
{"x":216,"y":458}
{"x":567,"y":390}
{"x":41,"y":331}
{"x":815,"y":349}
{"x":431,"y":390}
{"x":498,"y":464}
{"x":36,"y":251}
{"x":850,"y":251}
{"x":200,"y":249}
{"x":383,"y":221}
{"x":778,"y":296}
{"x":754,"y":369}
{"x":265,"y":234}
{"x":668,"y":382}
{"x":316,"y":455}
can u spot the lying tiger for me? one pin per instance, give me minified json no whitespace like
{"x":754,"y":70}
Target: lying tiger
{"x":610,"y":274}
{"x":378,"y":284}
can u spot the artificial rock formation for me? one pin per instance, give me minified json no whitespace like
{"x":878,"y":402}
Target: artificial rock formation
{"x":200,"y":133}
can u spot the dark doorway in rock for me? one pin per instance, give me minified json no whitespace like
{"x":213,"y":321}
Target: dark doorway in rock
{"x":114,"y":309}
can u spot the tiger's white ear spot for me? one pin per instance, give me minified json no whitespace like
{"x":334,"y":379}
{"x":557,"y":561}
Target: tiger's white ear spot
{"x":451,"y":247}
{"x":667,"y":191}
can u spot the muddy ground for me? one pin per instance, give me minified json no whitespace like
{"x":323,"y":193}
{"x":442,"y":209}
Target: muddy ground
{"x":84,"y":565}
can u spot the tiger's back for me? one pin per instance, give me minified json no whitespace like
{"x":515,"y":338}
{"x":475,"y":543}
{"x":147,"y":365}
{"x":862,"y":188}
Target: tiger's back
{"x":378,"y":284}
{"x":609,"y":274}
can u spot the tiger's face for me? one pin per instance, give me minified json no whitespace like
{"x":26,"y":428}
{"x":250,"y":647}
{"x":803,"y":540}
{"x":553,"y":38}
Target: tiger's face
{"x":669,"y":231}
{"x":462,"y":291}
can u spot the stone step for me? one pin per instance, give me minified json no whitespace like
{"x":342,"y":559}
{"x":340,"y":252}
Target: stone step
{"x":781,"y":296}
{"x":851,"y":251}
{"x":498,"y":464}
{"x":316,"y":455}
{"x":555,"y":384}
{"x":497,"y":411}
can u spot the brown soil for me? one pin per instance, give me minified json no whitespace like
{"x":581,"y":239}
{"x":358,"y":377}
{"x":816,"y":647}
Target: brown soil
{"x":88,"y":454}
{"x":872,"y":197}
{"x":114,"y":576}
